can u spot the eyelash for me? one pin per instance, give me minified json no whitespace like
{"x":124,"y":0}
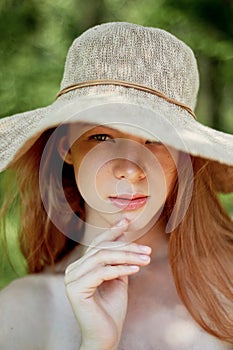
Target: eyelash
{"x":101,"y":137}
{"x":156,"y":143}
{"x":106,"y":137}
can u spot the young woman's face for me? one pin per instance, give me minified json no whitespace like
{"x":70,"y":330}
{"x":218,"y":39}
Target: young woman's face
{"x":120,"y":175}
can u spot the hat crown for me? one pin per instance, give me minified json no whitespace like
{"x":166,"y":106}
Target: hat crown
{"x":136,"y":54}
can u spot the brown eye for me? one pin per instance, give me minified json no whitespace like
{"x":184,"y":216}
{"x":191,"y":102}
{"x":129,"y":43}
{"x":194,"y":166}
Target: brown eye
{"x":101,"y":137}
{"x":152,"y":142}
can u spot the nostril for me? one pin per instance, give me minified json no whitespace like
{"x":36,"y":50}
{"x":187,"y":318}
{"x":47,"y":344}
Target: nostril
{"x":125,"y":169}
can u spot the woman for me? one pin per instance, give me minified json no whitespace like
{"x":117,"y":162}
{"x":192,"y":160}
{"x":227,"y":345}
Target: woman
{"x":118,"y":186}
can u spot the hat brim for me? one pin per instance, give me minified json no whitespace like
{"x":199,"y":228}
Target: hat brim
{"x":162,"y":122}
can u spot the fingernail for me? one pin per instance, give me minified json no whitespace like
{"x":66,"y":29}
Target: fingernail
{"x":145,"y":248}
{"x":144,"y":257}
{"x":134,"y":267}
{"x":122,"y":223}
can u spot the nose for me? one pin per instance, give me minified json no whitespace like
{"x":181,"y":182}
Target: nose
{"x":128,"y":170}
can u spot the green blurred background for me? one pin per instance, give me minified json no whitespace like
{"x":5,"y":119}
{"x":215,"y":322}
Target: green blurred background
{"x":35,"y":36}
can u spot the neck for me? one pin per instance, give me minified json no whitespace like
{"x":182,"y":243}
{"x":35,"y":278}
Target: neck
{"x":157,"y":239}
{"x":154,"y":236}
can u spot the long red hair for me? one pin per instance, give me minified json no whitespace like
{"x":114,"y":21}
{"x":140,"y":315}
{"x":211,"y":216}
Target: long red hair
{"x":201,"y":246}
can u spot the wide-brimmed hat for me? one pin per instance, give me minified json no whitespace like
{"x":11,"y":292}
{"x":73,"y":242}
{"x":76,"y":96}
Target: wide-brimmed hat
{"x":126,"y":75}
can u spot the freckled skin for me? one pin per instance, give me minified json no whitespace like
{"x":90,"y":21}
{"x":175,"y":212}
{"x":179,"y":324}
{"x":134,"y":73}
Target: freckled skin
{"x":99,"y":308}
{"x":148,"y":168}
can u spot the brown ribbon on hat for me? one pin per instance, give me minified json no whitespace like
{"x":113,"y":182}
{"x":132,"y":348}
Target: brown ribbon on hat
{"x":128,"y":85}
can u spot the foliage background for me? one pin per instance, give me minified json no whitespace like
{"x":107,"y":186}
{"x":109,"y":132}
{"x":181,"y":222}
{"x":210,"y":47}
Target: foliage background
{"x":35,"y":37}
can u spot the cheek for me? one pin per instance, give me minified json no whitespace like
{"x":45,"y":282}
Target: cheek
{"x":78,"y":154}
{"x":76,"y":170}
{"x":170,"y":171}
{"x":105,"y":182}
{"x":168,"y":160}
{"x":94,"y":180}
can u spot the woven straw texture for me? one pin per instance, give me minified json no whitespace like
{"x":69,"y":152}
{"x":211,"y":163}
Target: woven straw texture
{"x":127,"y":52}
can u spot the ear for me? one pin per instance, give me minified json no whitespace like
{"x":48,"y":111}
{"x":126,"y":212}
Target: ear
{"x":64,"y":150}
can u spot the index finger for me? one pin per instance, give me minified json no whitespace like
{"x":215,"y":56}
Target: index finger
{"x":112,"y":234}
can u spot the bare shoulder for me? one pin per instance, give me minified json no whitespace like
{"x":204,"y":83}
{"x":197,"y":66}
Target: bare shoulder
{"x":35,"y":313}
{"x":27,"y":293}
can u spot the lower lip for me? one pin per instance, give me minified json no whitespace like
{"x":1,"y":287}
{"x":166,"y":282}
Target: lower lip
{"x":127,"y":204}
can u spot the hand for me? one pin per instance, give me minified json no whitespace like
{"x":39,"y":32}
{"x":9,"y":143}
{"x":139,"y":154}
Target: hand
{"x":97,"y":286}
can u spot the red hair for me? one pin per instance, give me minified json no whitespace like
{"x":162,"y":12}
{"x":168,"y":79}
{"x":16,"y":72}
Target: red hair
{"x":201,"y":247}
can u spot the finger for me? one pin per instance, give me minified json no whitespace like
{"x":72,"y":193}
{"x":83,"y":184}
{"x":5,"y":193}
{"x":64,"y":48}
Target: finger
{"x":87,"y":285}
{"x":105,"y":258}
{"x":112,"y":246}
{"x":110,"y":235}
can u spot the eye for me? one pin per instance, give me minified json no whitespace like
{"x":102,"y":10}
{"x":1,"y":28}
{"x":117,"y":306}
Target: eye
{"x":101,"y":137}
{"x":154,"y":143}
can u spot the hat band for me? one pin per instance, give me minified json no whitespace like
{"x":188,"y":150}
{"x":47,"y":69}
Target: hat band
{"x":128,"y":85}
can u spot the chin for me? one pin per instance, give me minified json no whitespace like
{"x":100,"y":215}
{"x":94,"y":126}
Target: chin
{"x":140,"y":226}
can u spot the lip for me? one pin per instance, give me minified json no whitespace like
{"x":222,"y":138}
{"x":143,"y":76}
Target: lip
{"x":129,"y":202}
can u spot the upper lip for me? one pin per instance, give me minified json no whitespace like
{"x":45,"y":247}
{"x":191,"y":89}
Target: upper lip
{"x":129,"y":197}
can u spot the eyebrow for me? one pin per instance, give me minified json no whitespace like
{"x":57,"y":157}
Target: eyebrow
{"x":103,"y":127}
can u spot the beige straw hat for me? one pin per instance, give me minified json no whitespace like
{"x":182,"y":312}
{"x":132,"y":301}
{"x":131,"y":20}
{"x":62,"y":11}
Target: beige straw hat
{"x":133,"y":75}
